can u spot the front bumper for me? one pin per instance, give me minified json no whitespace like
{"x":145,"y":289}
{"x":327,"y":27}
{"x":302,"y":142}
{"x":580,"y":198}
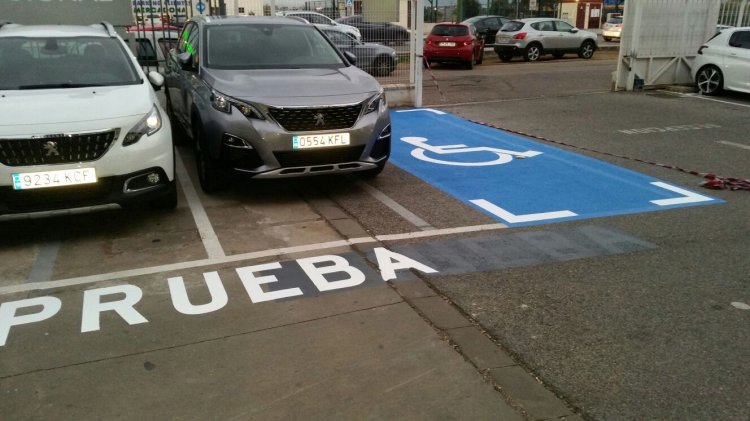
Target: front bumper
{"x":124,"y":190}
{"x":263,"y":149}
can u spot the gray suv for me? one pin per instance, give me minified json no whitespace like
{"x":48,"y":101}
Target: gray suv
{"x":272,"y":97}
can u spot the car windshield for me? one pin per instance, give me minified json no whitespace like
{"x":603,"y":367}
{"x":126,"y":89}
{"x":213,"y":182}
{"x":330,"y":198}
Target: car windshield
{"x":512,"y":26}
{"x":450,"y":30}
{"x":64,"y":62}
{"x":270,"y":46}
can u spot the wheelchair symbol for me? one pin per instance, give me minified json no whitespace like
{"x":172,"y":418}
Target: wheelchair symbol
{"x":498,"y":156}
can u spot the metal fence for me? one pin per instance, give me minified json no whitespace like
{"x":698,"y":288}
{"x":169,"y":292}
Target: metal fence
{"x":383,"y":34}
{"x":734,"y":13}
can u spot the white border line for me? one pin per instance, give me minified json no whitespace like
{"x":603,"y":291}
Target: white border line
{"x":736,"y":145}
{"x":396,"y":207}
{"x":205,"y":229}
{"x":240,"y":257}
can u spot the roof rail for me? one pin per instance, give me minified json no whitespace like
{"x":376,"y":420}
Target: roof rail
{"x":109,"y":28}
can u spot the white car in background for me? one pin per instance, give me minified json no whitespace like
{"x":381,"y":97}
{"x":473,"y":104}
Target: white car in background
{"x":612,"y":28}
{"x":81,"y":122}
{"x":323,"y":21}
{"x":723,"y":62}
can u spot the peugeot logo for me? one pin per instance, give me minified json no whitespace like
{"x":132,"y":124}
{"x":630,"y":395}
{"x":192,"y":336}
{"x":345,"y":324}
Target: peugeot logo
{"x":320,"y":119}
{"x":51,"y":148}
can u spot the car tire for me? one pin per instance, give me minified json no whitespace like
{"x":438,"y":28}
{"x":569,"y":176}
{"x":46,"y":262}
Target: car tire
{"x":209,"y":175}
{"x":505,"y":58}
{"x":383,"y":66}
{"x":470,"y":63}
{"x":709,"y":80}
{"x":168,"y":200}
{"x":587,"y":50}
{"x":481,"y":56}
{"x":532,"y":52}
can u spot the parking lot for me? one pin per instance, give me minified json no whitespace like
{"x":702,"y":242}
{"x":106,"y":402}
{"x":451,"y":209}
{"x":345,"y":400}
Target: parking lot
{"x":537,"y":265}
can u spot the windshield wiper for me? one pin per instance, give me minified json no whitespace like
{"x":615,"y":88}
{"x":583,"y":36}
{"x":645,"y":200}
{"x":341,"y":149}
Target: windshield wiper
{"x":59,"y":85}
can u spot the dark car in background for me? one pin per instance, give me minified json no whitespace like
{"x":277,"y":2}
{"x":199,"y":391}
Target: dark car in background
{"x":487,"y":26}
{"x":375,"y":59}
{"x":381,"y":32}
{"x":454,"y":43}
{"x":271,"y":97}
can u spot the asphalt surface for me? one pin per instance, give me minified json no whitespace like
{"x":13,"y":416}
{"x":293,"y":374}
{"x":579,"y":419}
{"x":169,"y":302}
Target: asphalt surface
{"x":650,"y":335}
{"x":650,"y":326}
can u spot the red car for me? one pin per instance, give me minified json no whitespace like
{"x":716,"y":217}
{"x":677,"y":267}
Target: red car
{"x":454,"y":42}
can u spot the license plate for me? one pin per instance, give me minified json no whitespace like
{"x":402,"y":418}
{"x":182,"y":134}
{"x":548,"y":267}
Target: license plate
{"x":45,"y":179}
{"x":503,"y":39}
{"x":320,"y":140}
{"x":447,"y":44}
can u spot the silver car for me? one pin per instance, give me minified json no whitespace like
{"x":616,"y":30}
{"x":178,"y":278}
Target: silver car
{"x":272,"y":97}
{"x":532,"y":38}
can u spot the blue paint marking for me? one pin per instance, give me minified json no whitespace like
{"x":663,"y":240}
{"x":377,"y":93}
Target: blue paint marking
{"x":521,"y":182}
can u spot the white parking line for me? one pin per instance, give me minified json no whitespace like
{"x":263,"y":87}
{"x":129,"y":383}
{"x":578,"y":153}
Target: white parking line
{"x":736,"y":145}
{"x":205,"y":229}
{"x":400,"y":210}
{"x":698,"y":96}
{"x":240,"y":257}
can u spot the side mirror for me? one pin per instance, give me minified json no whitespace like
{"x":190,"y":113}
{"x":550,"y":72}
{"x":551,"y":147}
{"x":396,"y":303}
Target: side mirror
{"x":156,"y":79}
{"x":351,"y":57}
{"x":186,"y":60}
{"x":574,"y":30}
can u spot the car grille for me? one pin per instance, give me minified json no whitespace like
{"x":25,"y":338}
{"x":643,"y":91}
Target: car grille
{"x":308,"y":157}
{"x":321,"y":118}
{"x":58,"y":149}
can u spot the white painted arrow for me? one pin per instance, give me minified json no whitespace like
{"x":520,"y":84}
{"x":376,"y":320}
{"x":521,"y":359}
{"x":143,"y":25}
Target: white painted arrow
{"x":515,"y":219}
{"x":688,"y":196}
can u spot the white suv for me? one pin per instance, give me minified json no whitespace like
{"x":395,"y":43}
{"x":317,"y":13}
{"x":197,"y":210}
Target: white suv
{"x":81,"y":124}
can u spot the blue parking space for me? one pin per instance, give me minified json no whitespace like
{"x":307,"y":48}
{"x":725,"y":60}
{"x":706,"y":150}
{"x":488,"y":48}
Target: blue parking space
{"x":521,"y":182}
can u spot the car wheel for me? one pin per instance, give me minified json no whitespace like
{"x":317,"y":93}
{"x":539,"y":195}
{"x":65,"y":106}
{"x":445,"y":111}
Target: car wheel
{"x":480,"y":59}
{"x":533,"y":52}
{"x":209,"y":175}
{"x":168,"y":200}
{"x":587,"y":50}
{"x":709,"y":80}
{"x":505,"y":58}
{"x":470,"y":63}
{"x":383,"y":66}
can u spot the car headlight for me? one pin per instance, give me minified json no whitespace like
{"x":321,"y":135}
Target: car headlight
{"x":148,"y":125}
{"x":376,"y":103}
{"x":225,"y":103}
